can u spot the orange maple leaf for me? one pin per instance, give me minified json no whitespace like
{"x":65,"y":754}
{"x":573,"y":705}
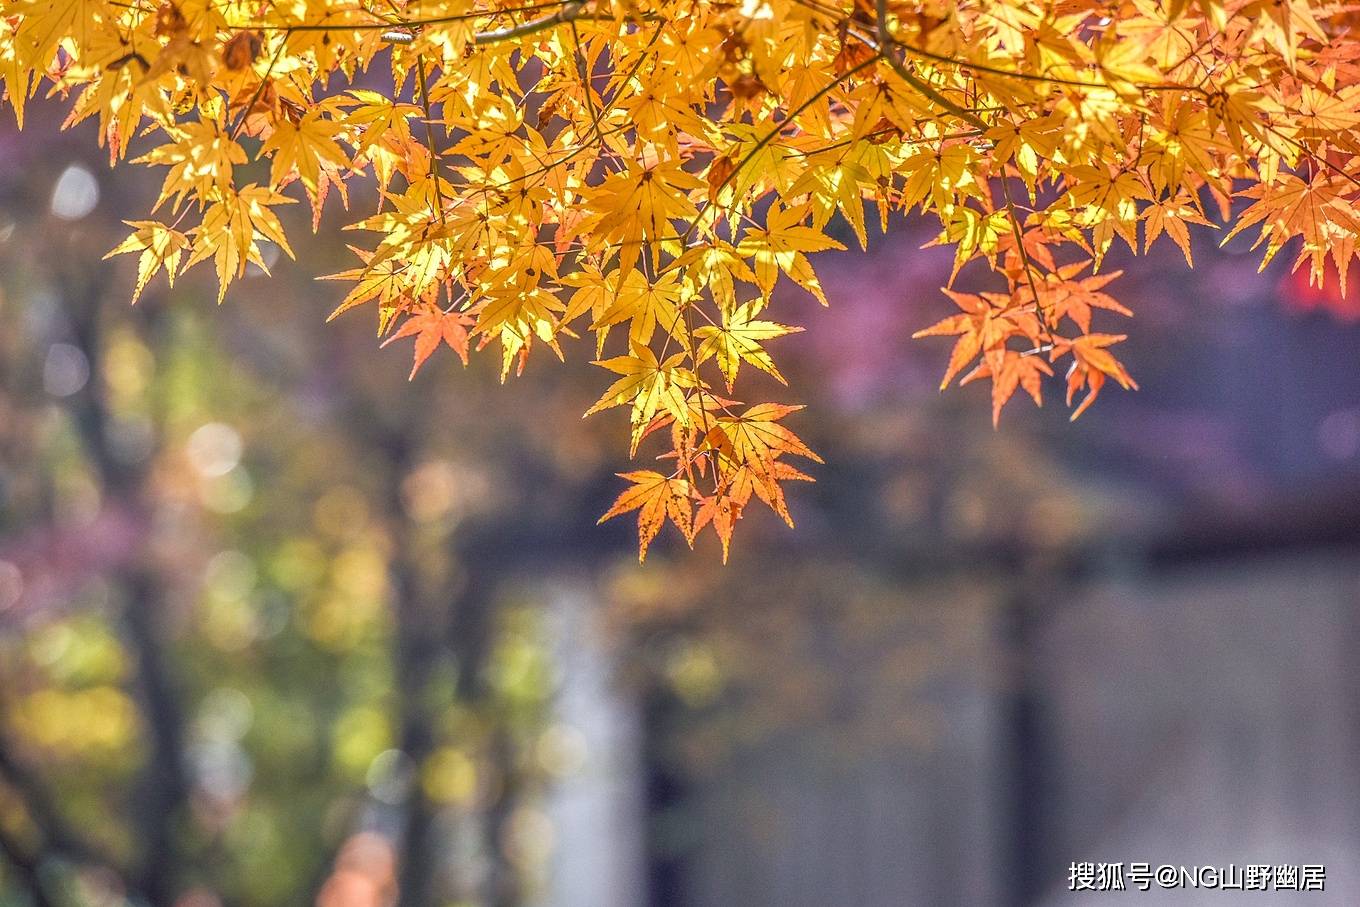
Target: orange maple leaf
{"x":430,"y":328}
{"x":655,"y":497}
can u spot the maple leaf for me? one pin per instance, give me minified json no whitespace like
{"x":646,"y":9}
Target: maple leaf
{"x":762,"y":481}
{"x":781,"y":247}
{"x":983,"y":326}
{"x":201,"y":158}
{"x":1091,"y":363}
{"x":46,"y":23}
{"x":517,"y":303}
{"x":648,"y":385}
{"x":1106,"y":199}
{"x":242,"y":49}
{"x":384,"y":282}
{"x":645,"y":305}
{"x":1065,"y":296}
{"x":755,"y":439}
{"x":17,"y":76}
{"x":723,"y":512}
{"x":1171,"y":215}
{"x":737,"y":339}
{"x":636,"y":207}
{"x":306,"y":148}
{"x":432,"y":327}
{"x":231,"y":230}
{"x":596,"y":292}
{"x":1318,"y":210}
{"x":715,"y":266}
{"x":1016,"y":370}
{"x":936,"y":179}
{"x":161,"y":247}
{"x":656,"y":497}
{"x":1026,"y":144}
{"x":381,"y":118}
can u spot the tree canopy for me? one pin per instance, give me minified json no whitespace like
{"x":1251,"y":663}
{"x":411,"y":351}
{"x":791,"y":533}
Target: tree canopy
{"x":650,"y":172}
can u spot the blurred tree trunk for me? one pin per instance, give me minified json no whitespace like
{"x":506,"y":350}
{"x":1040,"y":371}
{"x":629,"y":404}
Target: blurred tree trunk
{"x":164,"y":787}
{"x":444,"y":608}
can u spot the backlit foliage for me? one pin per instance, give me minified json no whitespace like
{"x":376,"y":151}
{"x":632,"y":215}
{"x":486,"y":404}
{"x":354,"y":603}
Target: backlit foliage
{"x":649,"y":172}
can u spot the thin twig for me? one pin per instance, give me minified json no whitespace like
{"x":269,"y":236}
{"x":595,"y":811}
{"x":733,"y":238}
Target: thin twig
{"x":429,"y":135}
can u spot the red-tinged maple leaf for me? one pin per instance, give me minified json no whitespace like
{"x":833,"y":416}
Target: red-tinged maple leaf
{"x":432,"y":327}
{"x":655,"y":497}
{"x":1091,"y":362}
{"x":723,"y":513}
{"x":1038,"y":250}
{"x":762,"y":479}
{"x":987,"y":321}
{"x":1017,"y":370}
{"x":1064,"y":296}
{"x":1319,"y":210}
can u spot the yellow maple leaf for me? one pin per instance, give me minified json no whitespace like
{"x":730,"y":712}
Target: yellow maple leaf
{"x":737,"y":339}
{"x":305,"y":147}
{"x":161,"y":247}
{"x":649,"y":386}
{"x":781,"y":246}
{"x":231,"y":230}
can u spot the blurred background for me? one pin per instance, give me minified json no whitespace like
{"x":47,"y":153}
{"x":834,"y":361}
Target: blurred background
{"x":279,"y":628}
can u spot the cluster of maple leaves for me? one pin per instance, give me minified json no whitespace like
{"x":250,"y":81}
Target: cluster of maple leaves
{"x":650,"y":170}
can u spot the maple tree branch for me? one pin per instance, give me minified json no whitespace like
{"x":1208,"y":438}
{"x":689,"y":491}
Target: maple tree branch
{"x":394,"y":22}
{"x":888,"y":131}
{"x":259,"y":89}
{"x":586,"y":89}
{"x":1311,"y":154}
{"x":1036,"y":77}
{"x":569,"y":12}
{"x":885,"y":41}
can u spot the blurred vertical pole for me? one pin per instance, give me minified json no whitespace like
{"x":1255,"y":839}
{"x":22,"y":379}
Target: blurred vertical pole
{"x":470,"y":633}
{"x":1028,"y":865}
{"x":597,"y":807}
{"x":664,"y":791}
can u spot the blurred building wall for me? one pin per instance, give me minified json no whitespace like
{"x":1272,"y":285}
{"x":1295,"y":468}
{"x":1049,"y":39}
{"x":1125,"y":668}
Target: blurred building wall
{"x":1197,"y":713}
{"x":1208,"y":716}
